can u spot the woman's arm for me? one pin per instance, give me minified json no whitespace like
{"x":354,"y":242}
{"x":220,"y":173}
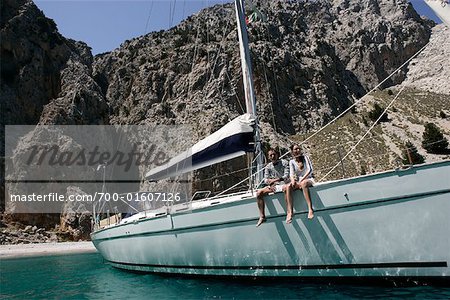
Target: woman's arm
{"x":308,"y":168}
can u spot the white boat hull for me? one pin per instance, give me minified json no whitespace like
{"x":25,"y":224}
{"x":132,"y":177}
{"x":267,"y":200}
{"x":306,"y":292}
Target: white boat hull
{"x":388,"y":224}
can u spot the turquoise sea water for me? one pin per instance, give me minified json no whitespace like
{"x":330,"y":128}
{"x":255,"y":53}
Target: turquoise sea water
{"x":86,"y":276}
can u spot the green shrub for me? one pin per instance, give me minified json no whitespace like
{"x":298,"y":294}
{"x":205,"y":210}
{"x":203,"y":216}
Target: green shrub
{"x":433,"y":140}
{"x":46,"y":24}
{"x":363,"y":171}
{"x":376,"y":112}
{"x":415,"y":156}
{"x":365,"y":122}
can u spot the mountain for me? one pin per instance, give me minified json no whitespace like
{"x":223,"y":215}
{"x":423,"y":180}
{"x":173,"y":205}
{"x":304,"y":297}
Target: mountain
{"x":311,"y":60}
{"x":423,"y":97}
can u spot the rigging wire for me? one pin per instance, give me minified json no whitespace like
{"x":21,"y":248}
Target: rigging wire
{"x":315,"y":133}
{"x":222,"y":48}
{"x":363,"y":97}
{"x":277,"y":94}
{"x":184,"y":8}
{"x":356,"y":102}
{"x":274,"y":124}
{"x":172,"y":12}
{"x":234,"y":91}
{"x":148,"y":18}
{"x":194,"y":57}
{"x":219,"y":51}
{"x":207,"y":39}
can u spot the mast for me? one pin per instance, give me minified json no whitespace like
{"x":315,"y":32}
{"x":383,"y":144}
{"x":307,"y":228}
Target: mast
{"x":250,"y":99}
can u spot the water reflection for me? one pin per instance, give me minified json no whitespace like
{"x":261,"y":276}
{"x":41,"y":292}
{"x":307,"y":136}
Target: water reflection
{"x":86,"y":276}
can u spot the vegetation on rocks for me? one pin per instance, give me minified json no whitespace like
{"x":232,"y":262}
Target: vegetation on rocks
{"x":378,"y":114}
{"x":433,"y":139}
{"x":411,"y":155}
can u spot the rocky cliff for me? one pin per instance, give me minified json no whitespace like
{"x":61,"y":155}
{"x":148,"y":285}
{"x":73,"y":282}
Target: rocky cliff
{"x":309,"y":59}
{"x":45,"y":79}
{"x":430,"y":70}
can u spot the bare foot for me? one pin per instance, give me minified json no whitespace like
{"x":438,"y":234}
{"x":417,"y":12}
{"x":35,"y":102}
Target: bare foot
{"x":260,"y":221}
{"x":310,"y":214}
{"x":289,"y":219}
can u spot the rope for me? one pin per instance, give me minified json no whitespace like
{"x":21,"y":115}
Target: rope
{"x":193,"y":62}
{"x":367,"y":132}
{"x":371,"y":91}
{"x":356,"y":102}
{"x":271,"y":104}
{"x":232,"y":187}
{"x":219,"y":51}
{"x":234,"y":91}
{"x":207,"y":38}
{"x":381,"y":155}
{"x":148,"y":18}
{"x":172,"y":12}
{"x":317,"y":170}
{"x":184,"y":8}
{"x":223,"y":175}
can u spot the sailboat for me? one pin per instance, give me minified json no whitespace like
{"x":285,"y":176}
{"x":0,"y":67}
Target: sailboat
{"x":388,"y":224}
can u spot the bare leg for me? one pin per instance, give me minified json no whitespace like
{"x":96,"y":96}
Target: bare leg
{"x":261,"y":206}
{"x":305,"y":187}
{"x":289,"y":201}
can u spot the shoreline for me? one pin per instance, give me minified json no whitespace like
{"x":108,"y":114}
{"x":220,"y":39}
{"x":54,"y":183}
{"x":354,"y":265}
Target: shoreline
{"x":44,"y":249}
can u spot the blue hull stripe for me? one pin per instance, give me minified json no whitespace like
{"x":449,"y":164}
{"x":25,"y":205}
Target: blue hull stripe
{"x":232,"y":144}
{"x":426,"y":264}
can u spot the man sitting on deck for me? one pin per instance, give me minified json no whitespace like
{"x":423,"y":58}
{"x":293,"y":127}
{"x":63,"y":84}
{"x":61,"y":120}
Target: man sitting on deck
{"x":276,"y":175}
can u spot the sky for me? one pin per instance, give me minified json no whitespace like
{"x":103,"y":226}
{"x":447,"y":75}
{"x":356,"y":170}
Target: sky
{"x":105,"y":24}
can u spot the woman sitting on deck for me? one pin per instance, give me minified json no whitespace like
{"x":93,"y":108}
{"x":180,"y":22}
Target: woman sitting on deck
{"x":300,"y":171}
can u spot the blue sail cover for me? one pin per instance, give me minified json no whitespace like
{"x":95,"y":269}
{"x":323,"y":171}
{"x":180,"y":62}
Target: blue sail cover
{"x":232,"y":140}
